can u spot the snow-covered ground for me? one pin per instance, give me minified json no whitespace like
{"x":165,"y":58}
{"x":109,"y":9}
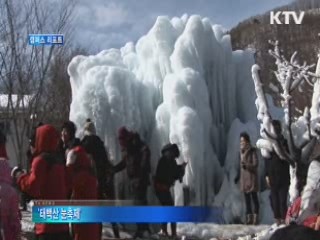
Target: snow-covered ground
{"x":190,"y":231}
{"x":214,"y":231}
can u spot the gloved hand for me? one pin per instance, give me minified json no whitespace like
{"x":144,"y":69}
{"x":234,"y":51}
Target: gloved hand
{"x":268,"y":182}
{"x":17,"y":172}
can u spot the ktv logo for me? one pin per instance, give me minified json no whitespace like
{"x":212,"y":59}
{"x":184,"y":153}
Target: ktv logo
{"x":289,"y":17}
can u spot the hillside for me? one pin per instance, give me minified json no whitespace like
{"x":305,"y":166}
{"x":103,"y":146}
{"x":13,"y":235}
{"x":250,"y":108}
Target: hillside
{"x":256,"y":31}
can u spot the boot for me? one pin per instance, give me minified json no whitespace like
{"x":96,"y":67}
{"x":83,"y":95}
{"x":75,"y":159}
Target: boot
{"x":278,"y":222}
{"x":249,"y":219}
{"x":115,"y":229}
{"x":174,"y":230}
{"x":255,"y":219}
{"x":163,"y":231}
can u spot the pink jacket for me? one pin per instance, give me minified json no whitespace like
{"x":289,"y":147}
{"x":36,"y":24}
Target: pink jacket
{"x":9,"y":204}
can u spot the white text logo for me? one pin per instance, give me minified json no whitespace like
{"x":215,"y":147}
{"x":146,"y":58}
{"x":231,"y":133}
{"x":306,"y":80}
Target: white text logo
{"x":289,"y":16}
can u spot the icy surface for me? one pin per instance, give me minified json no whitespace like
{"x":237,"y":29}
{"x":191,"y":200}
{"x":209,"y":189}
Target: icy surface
{"x":182,"y":83}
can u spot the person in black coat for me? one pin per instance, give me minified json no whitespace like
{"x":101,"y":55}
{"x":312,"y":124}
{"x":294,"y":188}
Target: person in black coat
{"x":278,"y":178}
{"x":168,"y":171}
{"x":94,"y":146}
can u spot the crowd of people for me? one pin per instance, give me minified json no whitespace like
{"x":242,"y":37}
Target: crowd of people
{"x":64,"y":167}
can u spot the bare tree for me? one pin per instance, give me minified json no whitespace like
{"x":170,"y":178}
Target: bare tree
{"x":56,"y":104}
{"x":24,"y":68}
{"x":302,"y":131}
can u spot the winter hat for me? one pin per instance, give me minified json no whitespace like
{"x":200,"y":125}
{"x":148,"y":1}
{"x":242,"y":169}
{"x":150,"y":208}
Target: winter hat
{"x":89,"y":128}
{"x":71,"y":128}
{"x":172,"y":148}
{"x":124,"y":135}
{"x":32,"y":138}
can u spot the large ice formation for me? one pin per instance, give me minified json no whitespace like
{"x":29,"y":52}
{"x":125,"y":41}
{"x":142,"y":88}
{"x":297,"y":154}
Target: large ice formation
{"x":180,"y":83}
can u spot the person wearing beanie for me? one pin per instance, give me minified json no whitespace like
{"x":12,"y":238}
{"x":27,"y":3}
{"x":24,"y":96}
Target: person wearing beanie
{"x":168,"y":171}
{"x":83,"y":185}
{"x":124,"y":137}
{"x":89,"y":128}
{"x":136,"y":160}
{"x":95,"y":147}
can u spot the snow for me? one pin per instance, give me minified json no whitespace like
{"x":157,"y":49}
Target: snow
{"x":210,"y":231}
{"x":190,"y":231}
{"x":274,"y":88}
{"x":17,"y":101}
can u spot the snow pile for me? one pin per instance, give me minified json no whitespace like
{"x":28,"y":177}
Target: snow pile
{"x":182,"y":83}
{"x":214,"y":231}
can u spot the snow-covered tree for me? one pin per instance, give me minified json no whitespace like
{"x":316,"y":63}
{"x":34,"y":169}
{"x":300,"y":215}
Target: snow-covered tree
{"x":301,"y":131}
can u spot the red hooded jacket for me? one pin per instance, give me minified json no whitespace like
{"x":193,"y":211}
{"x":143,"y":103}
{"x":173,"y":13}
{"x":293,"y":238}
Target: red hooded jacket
{"x":82,"y":184}
{"x":45,"y":181}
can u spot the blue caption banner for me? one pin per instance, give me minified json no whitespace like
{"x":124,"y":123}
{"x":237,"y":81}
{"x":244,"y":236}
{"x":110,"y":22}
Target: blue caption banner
{"x":95,"y":214}
{"x":45,"y":39}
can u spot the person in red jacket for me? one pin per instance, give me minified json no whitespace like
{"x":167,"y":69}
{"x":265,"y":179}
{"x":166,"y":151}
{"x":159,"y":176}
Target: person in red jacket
{"x":81,"y":181}
{"x":46,"y":180}
{"x":10,"y":215}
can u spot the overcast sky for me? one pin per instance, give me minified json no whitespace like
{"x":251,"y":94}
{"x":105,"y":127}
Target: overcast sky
{"x":102,"y":24}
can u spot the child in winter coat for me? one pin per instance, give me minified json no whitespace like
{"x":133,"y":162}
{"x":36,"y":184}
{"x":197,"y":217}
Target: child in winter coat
{"x":9,"y":201}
